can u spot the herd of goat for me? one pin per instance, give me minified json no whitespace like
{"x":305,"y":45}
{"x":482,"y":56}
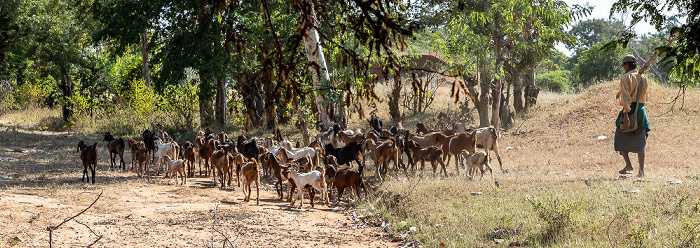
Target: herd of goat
{"x":322,"y":164}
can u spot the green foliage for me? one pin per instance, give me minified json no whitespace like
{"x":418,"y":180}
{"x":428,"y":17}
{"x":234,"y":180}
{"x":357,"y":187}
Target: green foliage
{"x":594,"y":31}
{"x":596,"y":66}
{"x":557,"y":216}
{"x":182,"y":100}
{"x":34,"y":94}
{"x":556,"y":80}
{"x":141,"y":99}
{"x":685,"y":53}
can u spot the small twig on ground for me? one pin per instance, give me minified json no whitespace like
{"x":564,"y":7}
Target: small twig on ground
{"x":93,"y":232}
{"x":517,"y":130}
{"x":607,"y":230}
{"x":51,"y":228}
{"x":213,"y":228}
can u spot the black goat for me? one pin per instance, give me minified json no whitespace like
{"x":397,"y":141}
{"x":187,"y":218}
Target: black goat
{"x":149,"y":138}
{"x":348,"y":153}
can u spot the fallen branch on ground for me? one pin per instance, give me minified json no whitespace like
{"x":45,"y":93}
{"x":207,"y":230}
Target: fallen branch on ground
{"x":51,"y":228}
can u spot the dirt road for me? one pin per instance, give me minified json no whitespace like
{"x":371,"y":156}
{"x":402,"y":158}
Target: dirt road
{"x":40,"y":186}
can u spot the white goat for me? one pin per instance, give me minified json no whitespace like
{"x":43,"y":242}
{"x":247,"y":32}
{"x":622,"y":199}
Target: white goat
{"x":313,"y":178}
{"x":175,"y":167}
{"x":165,"y":149}
{"x":303,"y":152}
{"x":286,"y":144}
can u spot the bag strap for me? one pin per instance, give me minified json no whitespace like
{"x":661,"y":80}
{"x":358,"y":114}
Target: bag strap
{"x":639,"y":91}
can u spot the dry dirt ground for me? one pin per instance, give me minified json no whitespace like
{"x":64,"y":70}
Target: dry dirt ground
{"x":41,"y":186}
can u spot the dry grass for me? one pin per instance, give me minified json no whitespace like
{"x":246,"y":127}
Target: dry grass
{"x":557,"y":156}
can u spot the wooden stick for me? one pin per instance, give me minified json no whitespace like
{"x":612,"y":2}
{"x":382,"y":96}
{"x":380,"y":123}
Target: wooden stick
{"x":50,"y":228}
{"x":656,"y":54}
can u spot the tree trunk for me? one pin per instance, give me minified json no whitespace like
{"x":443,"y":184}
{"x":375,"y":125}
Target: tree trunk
{"x":496,"y":103}
{"x":517,"y":92}
{"x":482,"y":106}
{"x":303,"y":127}
{"x":67,"y":88}
{"x":220,"y":108}
{"x":144,"y":59}
{"x":394,"y":99}
{"x":314,"y":53}
{"x":531,"y":90}
{"x":206,"y":110}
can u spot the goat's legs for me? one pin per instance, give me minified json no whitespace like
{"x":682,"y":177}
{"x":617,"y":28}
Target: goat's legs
{"x":498,"y":156}
{"x":85,"y":174}
{"x":92,"y":168}
{"x":257,"y":191}
{"x":340,"y":193}
{"x":377,"y":169}
{"x":300,"y":195}
{"x":121,"y":158}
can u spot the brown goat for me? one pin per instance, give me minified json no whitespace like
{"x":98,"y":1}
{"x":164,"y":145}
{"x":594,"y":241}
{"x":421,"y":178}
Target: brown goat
{"x":425,"y":140}
{"x":222,"y":137}
{"x":205,"y":152}
{"x":453,"y":146}
{"x":88,"y":155}
{"x":345,"y":177}
{"x":237,"y":161}
{"x":279,"y":170}
{"x":132,"y":144}
{"x":220,"y":161}
{"x":115,"y":147}
{"x":250,"y":174}
{"x":142,"y":159}
{"x":381,"y":154}
{"x":190,"y":159}
{"x":200,"y":141}
{"x":350,"y":138}
{"x":422,"y":128}
{"x":431,"y":153}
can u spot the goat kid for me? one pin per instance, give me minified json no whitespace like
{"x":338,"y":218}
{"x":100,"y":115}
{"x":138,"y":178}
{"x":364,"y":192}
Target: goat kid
{"x":175,"y":167}
{"x":477,"y":160}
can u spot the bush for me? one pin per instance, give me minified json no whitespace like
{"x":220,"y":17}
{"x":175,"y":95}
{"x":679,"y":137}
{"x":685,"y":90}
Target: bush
{"x":182,"y":100}
{"x":143,"y":100}
{"x":558,"y":218}
{"x":557,"y":81}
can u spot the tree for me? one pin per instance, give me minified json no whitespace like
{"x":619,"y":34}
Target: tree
{"x":683,"y":56}
{"x":596,"y":66}
{"x":55,"y":34}
{"x":516,"y":33}
{"x":593,"y":31}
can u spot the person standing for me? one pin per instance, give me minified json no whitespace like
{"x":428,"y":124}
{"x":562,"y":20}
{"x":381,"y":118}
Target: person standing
{"x":635,"y":141}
